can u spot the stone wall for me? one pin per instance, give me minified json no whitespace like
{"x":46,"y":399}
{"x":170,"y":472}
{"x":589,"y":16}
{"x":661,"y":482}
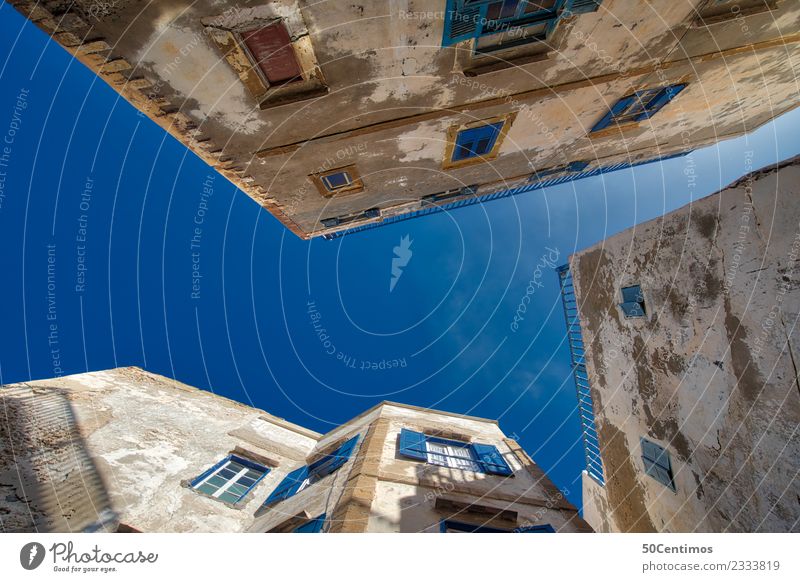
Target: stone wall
{"x":117,"y":451}
{"x":710,"y":373}
{"x":383,"y":65}
{"x":119,"y":447}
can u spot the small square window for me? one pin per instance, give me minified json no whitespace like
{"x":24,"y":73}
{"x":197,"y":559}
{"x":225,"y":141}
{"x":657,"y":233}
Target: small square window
{"x":657,"y":463}
{"x":338,"y":181}
{"x":231,"y":479}
{"x":476,"y":142}
{"x":632,"y":301}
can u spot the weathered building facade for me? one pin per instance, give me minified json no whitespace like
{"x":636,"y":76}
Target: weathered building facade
{"x":337,"y":115}
{"x":690,"y":345}
{"x":126,"y":450}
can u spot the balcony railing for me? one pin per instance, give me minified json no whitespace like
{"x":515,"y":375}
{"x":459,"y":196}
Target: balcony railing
{"x":538,"y":182}
{"x":591,"y":445}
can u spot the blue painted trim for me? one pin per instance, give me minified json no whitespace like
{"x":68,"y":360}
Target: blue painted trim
{"x":208,"y":472}
{"x":465,"y":147}
{"x":318,"y":470}
{"x":313,"y":526}
{"x":467,"y":21}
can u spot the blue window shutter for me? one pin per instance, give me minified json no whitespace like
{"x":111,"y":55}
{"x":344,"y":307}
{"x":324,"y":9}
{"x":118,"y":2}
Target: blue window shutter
{"x":289,"y":486}
{"x":313,"y":526}
{"x":342,"y":454}
{"x":461,"y":23}
{"x":476,"y":141}
{"x":491,"y":459}
{"x":583,"y":6}
{"x":660,"y":100}
{"x":632,"y":294}
{"x":632,"y":309}
{"x":618,"y":108}
{"x":412,"y":445}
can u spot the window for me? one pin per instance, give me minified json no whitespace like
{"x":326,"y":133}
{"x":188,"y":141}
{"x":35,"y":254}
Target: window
{"x":639,"y":106}
{"x":338,"y":181}
{"x":476,"y":142}
{"x":230,"y":479}
{"x":657,"y":463}
{"x":271,"y":49}
{"x":451,"y":454}
{"x":474,"y":457}
{"x":519,"y":20}
{"x":274,"y":60}
{"x":313,"y":526}
{"x":632,"y":301}
{"x":450,"y":526}
{"x":716,"y":11}
{"x":306,"y":476}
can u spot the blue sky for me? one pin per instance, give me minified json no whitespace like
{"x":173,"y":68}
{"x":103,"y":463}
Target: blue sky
{"x":271,"y":307}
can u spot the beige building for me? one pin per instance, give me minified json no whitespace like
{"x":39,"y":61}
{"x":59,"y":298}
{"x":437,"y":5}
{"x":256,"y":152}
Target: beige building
{"x":690,"y":335}
{"x":126,"y":450}
{"x":340,"y":115}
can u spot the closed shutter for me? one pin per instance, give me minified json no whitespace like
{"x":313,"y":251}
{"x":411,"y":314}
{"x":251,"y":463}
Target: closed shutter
{"x":583,"y":6}
{"x":289,"y":486}
{"x":461,"y":23}
{"x":412,"y":445}
{"x":491,"y":459}
{"x":618,"y":108}
{"x":657,"y":463}
{"x":272,"y":50}
{"x":664,"y":96}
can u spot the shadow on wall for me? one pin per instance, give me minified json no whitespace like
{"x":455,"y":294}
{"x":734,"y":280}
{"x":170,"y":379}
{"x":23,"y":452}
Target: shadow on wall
{"x":48,"y":481}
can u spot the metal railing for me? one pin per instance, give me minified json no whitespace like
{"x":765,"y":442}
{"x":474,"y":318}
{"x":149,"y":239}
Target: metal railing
{"x":591,"y":445}
{"x":529,"y":187}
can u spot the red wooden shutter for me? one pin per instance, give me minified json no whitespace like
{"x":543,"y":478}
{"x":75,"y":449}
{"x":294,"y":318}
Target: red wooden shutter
{"x":273,"y":52}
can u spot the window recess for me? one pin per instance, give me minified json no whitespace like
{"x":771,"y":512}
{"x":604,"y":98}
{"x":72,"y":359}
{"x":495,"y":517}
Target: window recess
{"x":230,"y":480}
{"x":344,"y":180}
{"x":305,"y":476}
{"x":638,"y":106}
{"x":475,"y":457}
{"x":632,"y":301}
{"x":277,"y":66}
{"x":657,"y":463}
{"x":476,"y":142}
